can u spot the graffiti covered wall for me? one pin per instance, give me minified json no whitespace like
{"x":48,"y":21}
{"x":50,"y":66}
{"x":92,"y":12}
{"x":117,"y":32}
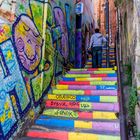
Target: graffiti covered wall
{"x":84,"y":30}
{"x":36,"y":40}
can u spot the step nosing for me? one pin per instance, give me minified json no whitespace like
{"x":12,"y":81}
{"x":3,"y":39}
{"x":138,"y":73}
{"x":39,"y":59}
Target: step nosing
{"x":78,"y":131}
{"x":44,"y":117}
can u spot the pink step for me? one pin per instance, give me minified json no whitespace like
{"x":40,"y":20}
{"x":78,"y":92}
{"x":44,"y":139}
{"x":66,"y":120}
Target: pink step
{"x":85,"y":106}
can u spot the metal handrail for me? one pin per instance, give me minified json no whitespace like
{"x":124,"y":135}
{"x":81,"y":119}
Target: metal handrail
{"x":123,"y":123}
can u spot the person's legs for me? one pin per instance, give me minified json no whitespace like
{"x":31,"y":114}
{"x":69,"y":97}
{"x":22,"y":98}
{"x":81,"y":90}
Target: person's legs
{"x":99,"y":57}
{"x":94,"y":57}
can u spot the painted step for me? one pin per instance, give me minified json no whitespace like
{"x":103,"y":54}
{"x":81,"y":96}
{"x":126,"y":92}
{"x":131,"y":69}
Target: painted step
{"x":104,"y":66}
{"x":86,"y":87}
{"x":90,"y":79}
{"x":93,"y":69}
{"x":90,"y":75}
{"x":48,"y":135}
{"x":112,"y":60}
{"x":73,"y":114}
{"x":114,"y":107}
{"x":92,"y":72}
{"x":83,"y":98}
{"x":32,"y":138}
{"x":98,"y":126}
{"x":64,"y":135}
{"x":86,"y":92}
{"x":112,"y":56}
{"x":92,"y":83}
{"x":90,"y":59}
{"x":112,"y":51}
{"x":88,"y":66}
{"x":89,"y":63}
{"x":104,"y":61}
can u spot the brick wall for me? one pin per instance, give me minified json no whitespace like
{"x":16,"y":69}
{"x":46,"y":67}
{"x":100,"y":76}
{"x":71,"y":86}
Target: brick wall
{"x":99,"y":14}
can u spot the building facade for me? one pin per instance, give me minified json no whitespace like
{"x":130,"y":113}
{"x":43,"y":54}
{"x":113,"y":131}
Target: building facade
{"x":100,"y":17}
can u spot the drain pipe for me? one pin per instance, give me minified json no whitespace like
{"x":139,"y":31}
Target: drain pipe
{"x":78,"y":35}
{"x":107,"y":30}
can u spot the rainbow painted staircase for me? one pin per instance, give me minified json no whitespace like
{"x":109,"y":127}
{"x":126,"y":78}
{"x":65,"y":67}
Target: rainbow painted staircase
{"x":83,"y":106}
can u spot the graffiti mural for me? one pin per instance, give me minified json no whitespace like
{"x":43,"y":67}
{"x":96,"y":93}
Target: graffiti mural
{"x":71,"y":36}
{"x":5,"y":31}
{"x":7,"y":9}
{"x":35,"y":39}
{"x":28,"y":42}
{"x":60,"y":20}
{"x":12,"y":86}
{"x":36,"y":8}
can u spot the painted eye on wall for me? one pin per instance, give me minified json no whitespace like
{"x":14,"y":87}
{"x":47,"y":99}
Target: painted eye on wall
{"x":20,"y":44}
{"x":26,"y":28}
{"x":35,"y":34}
{"x":29,"y":41}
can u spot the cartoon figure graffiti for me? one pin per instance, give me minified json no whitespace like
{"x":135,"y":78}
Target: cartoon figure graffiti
{"x":28,"y":65}
{"x":60,"y":20}
{"x":28,"y":42}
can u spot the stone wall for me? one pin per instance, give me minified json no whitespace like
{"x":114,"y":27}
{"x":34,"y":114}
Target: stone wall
{"x":129,"y":13}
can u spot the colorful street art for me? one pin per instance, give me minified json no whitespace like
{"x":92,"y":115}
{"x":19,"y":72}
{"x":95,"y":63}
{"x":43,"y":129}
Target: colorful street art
{"x":35,"y":39}
{"x":7,"y":9}
{"x":28,"y":42}
{"x":12,"y":86}
{"x":60,"y":20}
{"x":5,"y":31}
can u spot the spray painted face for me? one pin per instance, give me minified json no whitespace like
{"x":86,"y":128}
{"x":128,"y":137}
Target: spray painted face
{"x":28,"y":42}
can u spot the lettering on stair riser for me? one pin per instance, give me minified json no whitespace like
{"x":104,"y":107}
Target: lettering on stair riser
{"x":85,"y":106}
{"x":65,"y":97}
{"x":103,"y":83}
{"x":72,"y":104}
{"x":66,"y":113}
{"x":107,"y":87}
{"x":61,"y":113}
{"x":64,"y":104}
{"x":85,"y":98}
{"x":58,"y":104}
